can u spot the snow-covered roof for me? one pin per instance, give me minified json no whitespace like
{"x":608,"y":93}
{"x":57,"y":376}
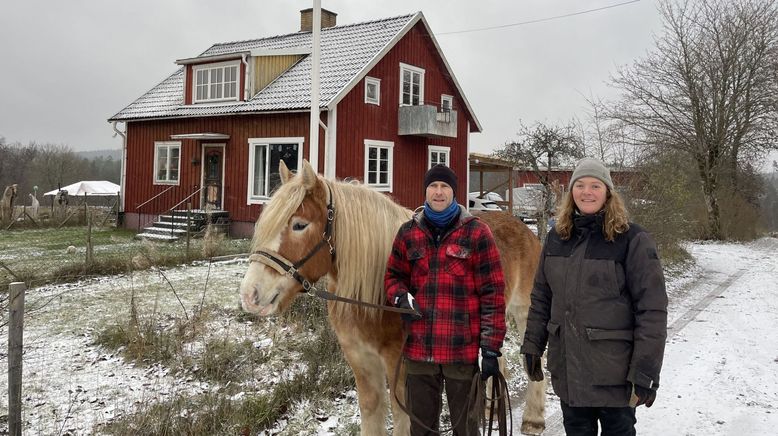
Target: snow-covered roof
{"x":347,"y":53}
{"x":89,"y":187}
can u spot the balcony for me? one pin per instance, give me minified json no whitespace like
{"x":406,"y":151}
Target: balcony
{"x":425,"y":120}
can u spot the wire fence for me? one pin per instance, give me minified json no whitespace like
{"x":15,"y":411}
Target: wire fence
{"x":70,"y":384}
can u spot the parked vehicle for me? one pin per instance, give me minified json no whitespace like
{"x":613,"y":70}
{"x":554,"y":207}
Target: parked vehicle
{"x":480,"y":205}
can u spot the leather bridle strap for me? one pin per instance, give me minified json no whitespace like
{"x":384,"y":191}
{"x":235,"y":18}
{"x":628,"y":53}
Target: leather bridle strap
{"x":284,"y":266}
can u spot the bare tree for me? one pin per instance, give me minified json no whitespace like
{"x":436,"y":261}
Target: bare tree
{"x":708,"y":89}
{"x":540,"y":148}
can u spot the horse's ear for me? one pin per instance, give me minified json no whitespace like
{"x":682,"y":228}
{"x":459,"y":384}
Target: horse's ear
{"x":284,"y":172}
{"x":309,"y":175}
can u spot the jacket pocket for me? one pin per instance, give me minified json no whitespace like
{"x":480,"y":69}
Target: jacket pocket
{"x":554,"y":358}
{"x":457,"y":260}
{"x":609,"y":355}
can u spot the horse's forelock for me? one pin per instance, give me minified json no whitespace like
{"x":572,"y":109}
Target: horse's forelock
{"x":276,"y":213}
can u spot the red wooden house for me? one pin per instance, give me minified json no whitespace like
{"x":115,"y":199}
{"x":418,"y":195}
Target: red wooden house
{"x":214,"y":132}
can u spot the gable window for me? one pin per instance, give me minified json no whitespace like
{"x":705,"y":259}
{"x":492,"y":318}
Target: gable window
{"x":215,"y":82}
{"x":264,"y":156}
{"x":446,"y":103}
{"x":437,"y":155}
{"x":412,"y":85}
{"x":372,"y":90}
{"x":379,"y":156}
{"x":167,"y":162}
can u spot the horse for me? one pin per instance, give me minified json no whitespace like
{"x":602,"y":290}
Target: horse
{"x":34,"y":205}
{"x":343,"y":231}
{"x":7,"y":203}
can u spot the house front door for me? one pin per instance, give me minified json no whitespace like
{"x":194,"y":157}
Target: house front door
{"x":213,"y":177}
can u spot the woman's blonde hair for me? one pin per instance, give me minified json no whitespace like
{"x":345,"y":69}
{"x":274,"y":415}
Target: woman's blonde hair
{"x":616,"y":218}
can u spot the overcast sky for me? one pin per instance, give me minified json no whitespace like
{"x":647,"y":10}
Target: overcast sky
{"x":67,"y":66}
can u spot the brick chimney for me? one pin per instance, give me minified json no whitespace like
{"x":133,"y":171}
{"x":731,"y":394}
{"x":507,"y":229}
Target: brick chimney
{"x":328,"y":19}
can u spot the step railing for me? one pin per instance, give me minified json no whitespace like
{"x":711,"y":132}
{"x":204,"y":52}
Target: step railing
{"x":158,"y":203}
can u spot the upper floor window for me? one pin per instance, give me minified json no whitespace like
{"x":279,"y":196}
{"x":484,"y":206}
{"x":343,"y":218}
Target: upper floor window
{"x":411,"y":85}
{"x":167,"y":160}
{"x":379,"y":156}
{"x":446,"y":103}
{"x":437,"y":155}
{"x":372,"y":90}
{"x":215,"y":82}
{"x":265,"y":154}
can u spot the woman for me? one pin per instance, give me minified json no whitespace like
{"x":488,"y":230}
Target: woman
{"x":599,"y":301}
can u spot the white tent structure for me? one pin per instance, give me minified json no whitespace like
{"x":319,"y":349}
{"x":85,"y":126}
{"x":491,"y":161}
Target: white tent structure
{"x":90,"y":188}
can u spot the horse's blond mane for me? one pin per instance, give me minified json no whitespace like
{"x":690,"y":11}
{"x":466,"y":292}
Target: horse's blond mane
{"x":365,"y":224}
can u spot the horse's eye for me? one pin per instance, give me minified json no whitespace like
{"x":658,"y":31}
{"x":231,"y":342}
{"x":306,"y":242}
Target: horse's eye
{"x":299,"y":226}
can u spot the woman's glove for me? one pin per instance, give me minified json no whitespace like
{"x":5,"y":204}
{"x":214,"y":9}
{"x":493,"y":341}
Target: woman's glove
{"x":641,"y":395}
{"x":490,"y":367}
{"x":533,"y":366}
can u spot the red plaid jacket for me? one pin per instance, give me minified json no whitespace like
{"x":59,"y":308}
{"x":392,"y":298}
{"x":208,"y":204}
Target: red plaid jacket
{"x":458,"y":285}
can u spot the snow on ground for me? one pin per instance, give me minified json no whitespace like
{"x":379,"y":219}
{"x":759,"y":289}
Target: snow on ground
{"x":720,"y":375}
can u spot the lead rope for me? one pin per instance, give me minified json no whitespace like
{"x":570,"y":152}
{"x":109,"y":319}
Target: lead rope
{"x":474,"y":397}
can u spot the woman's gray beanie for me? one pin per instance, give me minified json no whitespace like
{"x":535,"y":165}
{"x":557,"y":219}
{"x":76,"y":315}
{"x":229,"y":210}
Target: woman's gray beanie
{"x":592,"y":167}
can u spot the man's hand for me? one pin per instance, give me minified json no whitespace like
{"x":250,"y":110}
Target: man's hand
{"x":533,"y":366}
{"x":406,"y":301}
{"x":490,"y":367}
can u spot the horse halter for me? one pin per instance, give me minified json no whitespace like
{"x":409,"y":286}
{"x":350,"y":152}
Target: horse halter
{"x":284,"y":266}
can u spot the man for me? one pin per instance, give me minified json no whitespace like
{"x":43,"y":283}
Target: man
{"x":444,"y":264}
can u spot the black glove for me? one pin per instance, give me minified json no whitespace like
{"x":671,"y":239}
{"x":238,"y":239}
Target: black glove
{"x":489,"y":365}
{"x":406,"y":301}
{"x":533,"y":366}
{"x":641,"y":395}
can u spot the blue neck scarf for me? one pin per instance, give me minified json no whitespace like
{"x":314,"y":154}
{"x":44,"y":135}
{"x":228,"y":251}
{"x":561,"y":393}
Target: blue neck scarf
{"x":440,"y":219}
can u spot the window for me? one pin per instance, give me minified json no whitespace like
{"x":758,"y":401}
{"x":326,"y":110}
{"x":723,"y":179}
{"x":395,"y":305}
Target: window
{"x":265,"y":154}
{"x":167,"y":159}
{"x":372,"y":90}
{"x":437,"y":155}
{"x":378,"y":164}
{"x":446,"y":103}
{"x":412,"y":85}
{"x":216,"y":82}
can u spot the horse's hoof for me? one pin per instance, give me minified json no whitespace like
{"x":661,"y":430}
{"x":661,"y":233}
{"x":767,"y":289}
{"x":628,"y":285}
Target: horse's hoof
{"x":532,"y":428}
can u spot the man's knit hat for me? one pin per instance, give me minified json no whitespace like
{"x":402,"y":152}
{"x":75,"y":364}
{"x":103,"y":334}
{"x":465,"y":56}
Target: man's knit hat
{"x":590,"y":167}
{"x":441,"y":173}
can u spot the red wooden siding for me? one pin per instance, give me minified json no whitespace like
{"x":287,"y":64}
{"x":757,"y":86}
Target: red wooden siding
{"x":141,"y":137}
{"x":358,"y":121}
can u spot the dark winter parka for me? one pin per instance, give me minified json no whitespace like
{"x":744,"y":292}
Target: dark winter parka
{"x":458,"y":283}
{"x":602,"y":307}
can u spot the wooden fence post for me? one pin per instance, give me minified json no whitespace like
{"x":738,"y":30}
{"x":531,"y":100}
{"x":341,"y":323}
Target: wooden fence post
{"x":15,"y":331}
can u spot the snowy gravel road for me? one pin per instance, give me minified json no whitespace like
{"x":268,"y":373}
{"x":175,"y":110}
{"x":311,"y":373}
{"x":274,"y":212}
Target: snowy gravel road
{"x":720,"y":373}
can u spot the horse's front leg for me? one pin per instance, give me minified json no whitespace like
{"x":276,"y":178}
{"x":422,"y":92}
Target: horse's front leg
{"x":395,"y":371}
{"x":369,"y":373}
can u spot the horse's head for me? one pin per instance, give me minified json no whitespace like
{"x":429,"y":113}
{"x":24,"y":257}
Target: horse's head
{"x":292,"y":230}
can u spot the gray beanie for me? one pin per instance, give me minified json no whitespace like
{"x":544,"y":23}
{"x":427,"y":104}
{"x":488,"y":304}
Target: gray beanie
{"x":591,"y":167}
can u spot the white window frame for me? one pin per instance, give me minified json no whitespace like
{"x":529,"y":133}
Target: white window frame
{"x":412,"y":69}
{"x":439,"y":149}
{"x":223,"y":66}
{"x":446,"y":98}
{"x":168,"y":145}
{"x":377,"y":82}
{"x":251,"y":197}
{"x":372,"y":143}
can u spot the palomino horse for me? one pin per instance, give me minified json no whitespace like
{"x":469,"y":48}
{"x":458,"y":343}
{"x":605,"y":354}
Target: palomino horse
{"x":344,"y":231}
{"x":7,"y":203}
